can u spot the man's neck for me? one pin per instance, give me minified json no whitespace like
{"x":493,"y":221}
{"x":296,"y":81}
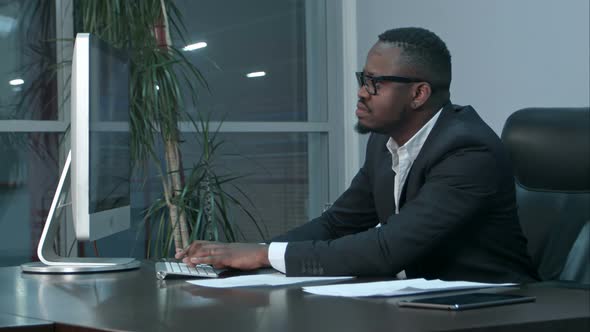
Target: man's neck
{"x":421,"y":116}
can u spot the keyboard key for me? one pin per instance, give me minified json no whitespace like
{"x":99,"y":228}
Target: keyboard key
{"x":184,"y":268}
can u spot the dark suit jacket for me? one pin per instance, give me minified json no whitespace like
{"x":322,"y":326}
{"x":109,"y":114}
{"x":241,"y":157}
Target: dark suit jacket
{"x":458,"y":222}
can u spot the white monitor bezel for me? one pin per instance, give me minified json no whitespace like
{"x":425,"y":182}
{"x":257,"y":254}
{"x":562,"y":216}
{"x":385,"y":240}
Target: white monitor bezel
{"x":88,"y":226}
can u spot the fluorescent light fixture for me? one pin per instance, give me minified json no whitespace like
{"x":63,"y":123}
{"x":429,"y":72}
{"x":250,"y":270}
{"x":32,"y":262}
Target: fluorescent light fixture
{"x":16,"y":81}
{"x":7,"y":25}
{"x":256,"y":74}
{"x":194,"y":46}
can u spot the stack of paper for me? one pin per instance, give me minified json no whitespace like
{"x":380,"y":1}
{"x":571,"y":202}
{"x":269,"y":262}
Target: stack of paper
{"x":273,"y":279}
{"x":395,"y":288}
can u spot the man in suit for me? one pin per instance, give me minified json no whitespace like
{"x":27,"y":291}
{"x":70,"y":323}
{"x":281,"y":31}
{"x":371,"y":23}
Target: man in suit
{"x":436,"y":182}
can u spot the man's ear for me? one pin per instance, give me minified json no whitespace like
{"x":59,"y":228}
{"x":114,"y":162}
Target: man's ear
{"x":421,"y":92}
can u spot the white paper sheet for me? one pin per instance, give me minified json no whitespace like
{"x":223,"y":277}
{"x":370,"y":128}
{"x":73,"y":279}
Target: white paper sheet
{"x":273,"y":279}
{"x":395,"y":288}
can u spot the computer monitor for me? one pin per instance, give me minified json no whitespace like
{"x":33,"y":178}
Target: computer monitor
{"x":101,"y":164}
{"x":99,"y":159}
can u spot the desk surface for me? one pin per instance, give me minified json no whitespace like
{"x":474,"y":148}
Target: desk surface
{"x":135,"y":300}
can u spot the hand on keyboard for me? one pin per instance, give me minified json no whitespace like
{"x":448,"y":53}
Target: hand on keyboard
{"x":171,"y":268}
{"x":241,"y":256}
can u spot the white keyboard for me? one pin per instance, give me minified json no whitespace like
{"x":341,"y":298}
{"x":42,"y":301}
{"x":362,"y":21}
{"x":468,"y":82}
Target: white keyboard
{"x":165,"y":269}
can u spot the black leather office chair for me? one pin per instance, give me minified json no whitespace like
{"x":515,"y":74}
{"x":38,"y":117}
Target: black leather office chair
{"x":550,"y":151}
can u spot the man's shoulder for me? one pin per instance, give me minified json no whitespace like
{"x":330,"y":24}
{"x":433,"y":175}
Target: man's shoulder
{"x":462,"y":114}
{"x":460,"y":129}
{"x":463,"y":122}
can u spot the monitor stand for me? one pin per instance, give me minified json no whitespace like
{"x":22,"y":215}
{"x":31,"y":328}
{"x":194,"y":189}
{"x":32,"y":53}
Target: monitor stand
{"x":51,"y":261}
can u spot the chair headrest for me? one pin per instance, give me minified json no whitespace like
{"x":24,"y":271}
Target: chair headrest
{"x":550,"y":148}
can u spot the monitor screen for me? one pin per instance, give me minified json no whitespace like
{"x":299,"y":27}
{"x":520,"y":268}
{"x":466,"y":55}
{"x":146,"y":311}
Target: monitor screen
{"x":109,"y":128}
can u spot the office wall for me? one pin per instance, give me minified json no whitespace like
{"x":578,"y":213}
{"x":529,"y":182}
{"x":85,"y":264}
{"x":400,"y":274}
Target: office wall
{"x":507,"y":54}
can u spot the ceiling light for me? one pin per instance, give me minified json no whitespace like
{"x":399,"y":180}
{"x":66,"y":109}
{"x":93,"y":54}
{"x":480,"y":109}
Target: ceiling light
{"x":256,"y":74}
{"x":16,"y":81}
{"x":194,"y":46}
{"x":7,"y":25}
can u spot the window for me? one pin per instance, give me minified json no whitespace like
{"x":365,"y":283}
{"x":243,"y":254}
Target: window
{"x":278,"y":123}
{"x":29,"y":126}
{"x":283,"y":129}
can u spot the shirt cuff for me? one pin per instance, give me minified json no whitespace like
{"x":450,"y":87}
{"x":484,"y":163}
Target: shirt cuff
{"x":276,"y":256}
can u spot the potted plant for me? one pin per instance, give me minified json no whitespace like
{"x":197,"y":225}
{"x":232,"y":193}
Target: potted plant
{"x":195,"y":201}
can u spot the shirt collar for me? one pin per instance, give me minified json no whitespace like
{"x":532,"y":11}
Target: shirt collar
{"x":415,"y":143}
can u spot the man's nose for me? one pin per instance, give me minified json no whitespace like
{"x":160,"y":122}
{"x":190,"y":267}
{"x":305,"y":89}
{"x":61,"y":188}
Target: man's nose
{"x":362,"y":93}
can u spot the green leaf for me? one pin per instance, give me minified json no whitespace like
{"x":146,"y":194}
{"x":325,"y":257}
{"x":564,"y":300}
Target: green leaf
{"x":154,"y":115}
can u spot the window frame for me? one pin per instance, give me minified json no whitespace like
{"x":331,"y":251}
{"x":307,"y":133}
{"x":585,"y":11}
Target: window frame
{"x":331,"y":62}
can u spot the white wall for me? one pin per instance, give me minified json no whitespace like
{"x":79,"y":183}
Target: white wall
{"x":507,"y":54}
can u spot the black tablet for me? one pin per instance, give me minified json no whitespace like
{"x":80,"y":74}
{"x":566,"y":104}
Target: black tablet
{"x":466,"y":301}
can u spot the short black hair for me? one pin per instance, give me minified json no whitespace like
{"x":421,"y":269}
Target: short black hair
{"x":424,"y":51}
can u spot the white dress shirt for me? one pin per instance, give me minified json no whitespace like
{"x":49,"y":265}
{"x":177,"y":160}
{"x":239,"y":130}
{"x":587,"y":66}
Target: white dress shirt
{"x":402,"y":158}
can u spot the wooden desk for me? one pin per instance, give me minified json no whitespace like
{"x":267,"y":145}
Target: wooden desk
{"x":24,"y":324}
{"x":137,"y":301}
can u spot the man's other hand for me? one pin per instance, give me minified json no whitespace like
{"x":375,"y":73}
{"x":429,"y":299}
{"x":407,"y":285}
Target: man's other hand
{"x":242,"y":256}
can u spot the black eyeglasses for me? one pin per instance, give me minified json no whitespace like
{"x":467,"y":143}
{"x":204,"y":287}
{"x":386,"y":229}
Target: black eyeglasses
{"x":369,"y":81}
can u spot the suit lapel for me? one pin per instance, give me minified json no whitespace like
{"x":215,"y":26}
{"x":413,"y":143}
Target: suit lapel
{"x":384,"y":187}
{"x":414,"y":180}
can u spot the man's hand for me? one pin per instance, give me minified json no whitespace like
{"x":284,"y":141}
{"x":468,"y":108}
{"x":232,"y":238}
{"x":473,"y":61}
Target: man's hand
{"x":243,"y":256}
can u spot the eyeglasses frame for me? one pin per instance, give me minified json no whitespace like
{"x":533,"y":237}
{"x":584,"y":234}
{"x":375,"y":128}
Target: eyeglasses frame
{"x":362,"y":81}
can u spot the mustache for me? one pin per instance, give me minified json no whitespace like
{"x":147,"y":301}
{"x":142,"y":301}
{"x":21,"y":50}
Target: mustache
{"x":361,"y":101}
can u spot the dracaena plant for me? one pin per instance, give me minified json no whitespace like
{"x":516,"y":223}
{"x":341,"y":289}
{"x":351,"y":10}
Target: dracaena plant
{"x":198,"y":201}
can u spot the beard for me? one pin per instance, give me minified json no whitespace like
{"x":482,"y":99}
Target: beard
{"x":359,"y":128}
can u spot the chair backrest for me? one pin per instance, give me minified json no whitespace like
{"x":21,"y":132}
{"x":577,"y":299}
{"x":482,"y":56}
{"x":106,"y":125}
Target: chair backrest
{"x":550,"y":151}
